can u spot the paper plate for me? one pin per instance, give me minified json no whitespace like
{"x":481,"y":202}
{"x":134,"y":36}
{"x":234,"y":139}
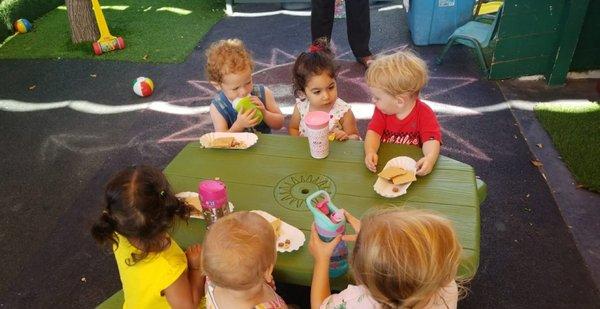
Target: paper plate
{"x":288,"y":231}
{"x":192,"y":199}
{"x":245,"y":138}
{"x":386,"y":188}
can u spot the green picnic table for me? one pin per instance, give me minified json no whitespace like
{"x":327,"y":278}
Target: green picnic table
{"x":278,"y":173}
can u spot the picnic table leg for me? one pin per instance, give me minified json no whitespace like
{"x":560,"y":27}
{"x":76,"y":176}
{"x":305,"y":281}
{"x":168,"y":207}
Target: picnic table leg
{"x":481,"y":190}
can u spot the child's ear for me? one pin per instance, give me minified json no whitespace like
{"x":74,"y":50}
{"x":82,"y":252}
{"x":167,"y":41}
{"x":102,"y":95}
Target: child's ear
{"x":216,"y":85}
{"x":399,"y":99}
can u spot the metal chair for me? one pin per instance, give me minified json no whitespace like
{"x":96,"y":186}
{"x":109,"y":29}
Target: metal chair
{"x":475,"y":34}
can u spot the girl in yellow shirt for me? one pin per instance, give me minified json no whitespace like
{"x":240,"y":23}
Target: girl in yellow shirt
{"x":139,"y":210}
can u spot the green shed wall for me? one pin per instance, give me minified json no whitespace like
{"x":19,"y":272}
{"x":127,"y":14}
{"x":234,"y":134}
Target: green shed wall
{"x":587,"y":54}
{"x":530,"y":32}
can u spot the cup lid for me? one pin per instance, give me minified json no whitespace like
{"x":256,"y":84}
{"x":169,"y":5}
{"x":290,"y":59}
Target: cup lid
{"x":316,"y":120}
{"x":243,"y":100}
{"x":212,"y":189}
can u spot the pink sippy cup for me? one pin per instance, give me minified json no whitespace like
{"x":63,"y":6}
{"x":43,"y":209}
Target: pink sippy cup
{"x":213,"y":198}
{"x":317,"y":124}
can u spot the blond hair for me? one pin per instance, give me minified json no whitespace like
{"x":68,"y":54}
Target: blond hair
{"x":399,"y":73}
{"x":238,"y":250}
{"x":404,"y":257}
{"x":226,"y":57}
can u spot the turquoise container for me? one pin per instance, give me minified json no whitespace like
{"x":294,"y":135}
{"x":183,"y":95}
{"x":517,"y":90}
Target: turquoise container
{"x":433,"y":21}
{"x":330,"y":222}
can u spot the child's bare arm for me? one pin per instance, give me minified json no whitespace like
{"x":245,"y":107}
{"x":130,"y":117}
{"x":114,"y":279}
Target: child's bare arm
{"x":431,"y":151}
{"x":272,"y":114}
{"x":179,"y":293}
{"x":294,"y":126}
{"x":321,"y":252}
{"x":219,"y":123}
{"x":349,"y":125}
{"x":245,"y":119}
{"x":372,"y":141}
{"x":194,"y":257}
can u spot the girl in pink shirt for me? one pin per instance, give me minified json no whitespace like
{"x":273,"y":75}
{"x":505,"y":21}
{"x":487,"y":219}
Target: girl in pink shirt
{"x":401,"y":259}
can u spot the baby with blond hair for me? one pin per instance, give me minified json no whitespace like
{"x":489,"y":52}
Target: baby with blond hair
{"x":238,"y":259}
{"x":229,"y":68}
{"x":401,"y":259}
{"x":400,"y":117}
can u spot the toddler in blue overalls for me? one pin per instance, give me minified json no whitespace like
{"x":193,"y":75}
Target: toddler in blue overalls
{"x":229,"y":69}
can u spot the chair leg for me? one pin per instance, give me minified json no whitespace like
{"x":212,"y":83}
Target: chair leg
{"x":481,"y":59}
{"x":440,"y":59}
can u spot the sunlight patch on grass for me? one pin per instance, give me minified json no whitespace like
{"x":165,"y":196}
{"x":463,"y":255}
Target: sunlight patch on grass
{"x":175,"y":10}
{"x":575,"y":131}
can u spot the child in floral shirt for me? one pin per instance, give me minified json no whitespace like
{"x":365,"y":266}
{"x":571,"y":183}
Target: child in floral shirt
{"x":402,"y":259}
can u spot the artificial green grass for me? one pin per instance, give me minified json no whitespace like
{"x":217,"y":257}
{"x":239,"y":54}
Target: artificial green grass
{"x":160,"y":31}
{"x":11,"y":10}
{"x":575,"y":132}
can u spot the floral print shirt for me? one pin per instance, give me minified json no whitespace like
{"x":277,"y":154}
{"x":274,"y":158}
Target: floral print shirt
{"x":358,"y":297}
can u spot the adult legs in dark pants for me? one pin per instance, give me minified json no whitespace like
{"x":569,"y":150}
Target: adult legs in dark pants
{"x":358,"y":22}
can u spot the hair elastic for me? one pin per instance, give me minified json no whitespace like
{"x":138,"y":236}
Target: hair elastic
{"x":315,"y":48}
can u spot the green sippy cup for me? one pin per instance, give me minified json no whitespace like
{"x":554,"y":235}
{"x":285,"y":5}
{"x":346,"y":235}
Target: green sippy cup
{"x":243,"y":104}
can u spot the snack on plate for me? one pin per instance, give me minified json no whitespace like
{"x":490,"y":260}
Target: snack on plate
{"x":227,"y":142}
{"x":391,"y":172}
{"x":408,"y":177}
{"x":397,"y":175}
{"x":194,"y":201}
{"x":222,"y":142}
{"x":395,"y":178}
{"x":276,"y":224}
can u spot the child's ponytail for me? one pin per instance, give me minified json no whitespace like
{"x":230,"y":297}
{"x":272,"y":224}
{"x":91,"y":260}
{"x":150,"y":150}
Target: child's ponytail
{"x":321,"y":46}
{"x":103,"y":230}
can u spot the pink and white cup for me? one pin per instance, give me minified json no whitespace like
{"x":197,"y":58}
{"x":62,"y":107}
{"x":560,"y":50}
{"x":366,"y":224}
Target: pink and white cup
{"x":213,"y":199}
{"x":317,"y":131}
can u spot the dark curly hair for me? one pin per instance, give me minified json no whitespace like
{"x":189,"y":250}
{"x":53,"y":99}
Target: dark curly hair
{"x":140,"y":205}
{"x":317,"y":60}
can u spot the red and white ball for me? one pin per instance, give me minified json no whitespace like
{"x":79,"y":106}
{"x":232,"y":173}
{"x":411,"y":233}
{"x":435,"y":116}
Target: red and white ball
{"x":143,"y":86}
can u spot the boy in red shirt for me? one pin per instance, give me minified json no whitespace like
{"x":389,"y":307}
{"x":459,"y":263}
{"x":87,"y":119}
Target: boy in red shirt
{"x":400,"y":117}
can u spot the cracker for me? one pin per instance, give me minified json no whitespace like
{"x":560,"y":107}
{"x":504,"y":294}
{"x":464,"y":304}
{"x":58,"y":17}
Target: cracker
{"x":391,"y":172}
{"x":223,"y":142}
{"x":407,"y":177}
{"x":276,"y":224}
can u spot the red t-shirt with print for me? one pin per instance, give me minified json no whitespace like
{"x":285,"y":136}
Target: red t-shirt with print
{"x":419,"y":126}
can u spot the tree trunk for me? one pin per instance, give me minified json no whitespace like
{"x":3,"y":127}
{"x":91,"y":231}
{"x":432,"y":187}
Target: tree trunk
{"x":82,"y":21}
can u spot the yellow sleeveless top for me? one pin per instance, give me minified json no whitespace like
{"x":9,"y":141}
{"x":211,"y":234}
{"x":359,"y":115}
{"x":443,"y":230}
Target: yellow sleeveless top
{"x":144,"y":281}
